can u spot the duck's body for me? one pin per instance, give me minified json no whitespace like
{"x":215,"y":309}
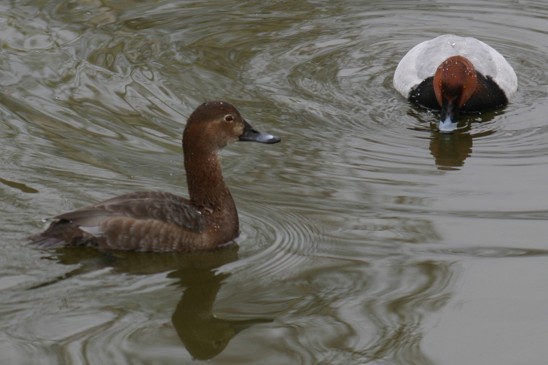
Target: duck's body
{"x":455,"y":74}
{"x":159,"y":221}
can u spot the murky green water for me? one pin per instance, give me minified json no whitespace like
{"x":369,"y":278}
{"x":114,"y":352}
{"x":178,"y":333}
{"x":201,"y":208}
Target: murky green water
{"x":367,"y":237}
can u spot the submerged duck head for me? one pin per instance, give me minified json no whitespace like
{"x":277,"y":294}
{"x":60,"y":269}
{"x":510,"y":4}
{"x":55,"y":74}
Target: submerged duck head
{"x":455,"y":75}
{"x":455,"y":81}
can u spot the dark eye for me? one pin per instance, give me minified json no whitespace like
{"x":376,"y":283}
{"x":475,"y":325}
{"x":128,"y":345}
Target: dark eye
{"x":229,"y":118}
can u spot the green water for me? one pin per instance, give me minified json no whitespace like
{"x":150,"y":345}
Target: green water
{"x":367,"y":237}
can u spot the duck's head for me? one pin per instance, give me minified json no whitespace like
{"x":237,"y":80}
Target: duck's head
{"x":215,"y":124}
{"x":455,"y":81}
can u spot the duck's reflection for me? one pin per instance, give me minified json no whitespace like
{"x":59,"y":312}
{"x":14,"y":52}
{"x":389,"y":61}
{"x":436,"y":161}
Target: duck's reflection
{"x":203,"y":334}
{"x":450,"y":150}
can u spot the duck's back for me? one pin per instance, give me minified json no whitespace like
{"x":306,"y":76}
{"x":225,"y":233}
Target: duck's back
{"x":127,"y":222}
{"x":421,"y":62}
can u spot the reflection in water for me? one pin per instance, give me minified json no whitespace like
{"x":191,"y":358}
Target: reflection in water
{"x":93,"y":95}
{"x":450,"y":150}
{"x":406,"y":295}
{"x":429,"y":288}
{"x":18,"y":185}
{"x":203,"y":335}
{"x":358,"y":312}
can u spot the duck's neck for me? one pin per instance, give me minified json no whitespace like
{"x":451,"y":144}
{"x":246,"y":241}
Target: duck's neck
{"x":206,"y":186}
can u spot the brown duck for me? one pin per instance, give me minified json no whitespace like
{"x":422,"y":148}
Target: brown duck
{"x":160,"y":221}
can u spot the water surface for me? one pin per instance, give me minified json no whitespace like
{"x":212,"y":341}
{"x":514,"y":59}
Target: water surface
{"x":367,"y":237}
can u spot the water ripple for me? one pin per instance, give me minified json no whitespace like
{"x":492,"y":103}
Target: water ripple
{"x":353,"y":229}
{"x":346,"y":83}
{"x":280,"y":240}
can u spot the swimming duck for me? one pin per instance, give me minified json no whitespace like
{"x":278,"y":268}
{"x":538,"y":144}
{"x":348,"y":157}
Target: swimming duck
{"x":455,"y":74}
{"x":159,"y":221}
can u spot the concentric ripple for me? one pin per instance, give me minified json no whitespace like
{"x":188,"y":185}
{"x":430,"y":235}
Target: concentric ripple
{"x":275,"y":241}
{"x":356,"y":230}
{"x":345,"y":83}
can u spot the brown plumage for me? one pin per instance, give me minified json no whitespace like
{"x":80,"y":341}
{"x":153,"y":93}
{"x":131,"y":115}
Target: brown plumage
{"x":159,"y":221}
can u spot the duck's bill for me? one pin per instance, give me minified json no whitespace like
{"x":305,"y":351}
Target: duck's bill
{"x":449,"y":114}
{"x":252,"y":135}
{"x":447,"y":125}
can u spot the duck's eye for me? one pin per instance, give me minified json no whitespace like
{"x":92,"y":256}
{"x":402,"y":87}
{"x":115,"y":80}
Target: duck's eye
{"x":229,"y":118}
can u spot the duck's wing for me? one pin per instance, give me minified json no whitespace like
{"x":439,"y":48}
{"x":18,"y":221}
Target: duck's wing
{"x":165,"y":207}
{"x":83,"y":226}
